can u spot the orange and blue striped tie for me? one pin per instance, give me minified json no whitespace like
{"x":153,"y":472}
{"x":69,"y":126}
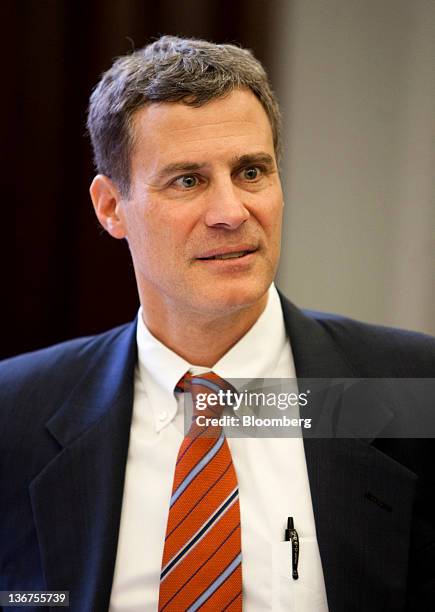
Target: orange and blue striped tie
{"x":201,"y":566}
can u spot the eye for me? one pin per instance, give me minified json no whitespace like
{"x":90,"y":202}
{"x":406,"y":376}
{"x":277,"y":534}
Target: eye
{"x":252,"y":173}
{"x":187,"y":181}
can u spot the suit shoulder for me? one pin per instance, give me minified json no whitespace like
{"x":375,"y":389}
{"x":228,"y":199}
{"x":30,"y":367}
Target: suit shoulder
{"x":60,"y":361}
{"x":404,"y":353}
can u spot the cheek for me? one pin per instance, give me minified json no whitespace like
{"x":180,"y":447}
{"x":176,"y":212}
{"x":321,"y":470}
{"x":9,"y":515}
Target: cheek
{"x":159,"y":240}
{"x":271,"y":219}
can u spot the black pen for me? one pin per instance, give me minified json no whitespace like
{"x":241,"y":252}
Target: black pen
{"x":291,"y":535}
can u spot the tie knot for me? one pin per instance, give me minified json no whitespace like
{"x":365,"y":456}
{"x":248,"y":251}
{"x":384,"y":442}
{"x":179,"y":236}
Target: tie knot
{"x":210,"y":393}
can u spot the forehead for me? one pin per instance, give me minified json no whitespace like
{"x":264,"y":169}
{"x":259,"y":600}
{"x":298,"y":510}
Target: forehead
{"x":236,"y":123}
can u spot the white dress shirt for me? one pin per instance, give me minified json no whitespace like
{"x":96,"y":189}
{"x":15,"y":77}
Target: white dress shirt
{"x":271,"y":472}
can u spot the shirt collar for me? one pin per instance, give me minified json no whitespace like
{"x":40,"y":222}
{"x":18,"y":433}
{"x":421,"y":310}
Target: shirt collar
{"x":255,"y":355}
{"x":258,"y":352}
{"x":157,"y":361}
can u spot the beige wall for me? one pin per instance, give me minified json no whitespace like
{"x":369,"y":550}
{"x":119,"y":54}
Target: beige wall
{"x":356,"y":79}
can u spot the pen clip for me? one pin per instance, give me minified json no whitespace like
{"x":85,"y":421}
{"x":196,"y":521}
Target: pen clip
{"x":291,"y":535}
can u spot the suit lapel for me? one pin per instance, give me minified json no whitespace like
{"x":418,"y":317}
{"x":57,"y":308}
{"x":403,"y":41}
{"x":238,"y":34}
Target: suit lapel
{"x":362,"y":499}
{"x":77,"y":498}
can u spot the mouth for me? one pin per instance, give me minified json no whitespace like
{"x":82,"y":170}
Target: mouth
{"x":227,"y":255}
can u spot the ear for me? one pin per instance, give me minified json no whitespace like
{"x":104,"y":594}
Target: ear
{"x":106,"y":200}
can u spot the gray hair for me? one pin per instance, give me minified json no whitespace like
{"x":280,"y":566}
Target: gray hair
{"x":170,"y":69}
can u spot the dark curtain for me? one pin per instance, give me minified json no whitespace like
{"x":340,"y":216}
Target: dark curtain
{"x":62,"y":276}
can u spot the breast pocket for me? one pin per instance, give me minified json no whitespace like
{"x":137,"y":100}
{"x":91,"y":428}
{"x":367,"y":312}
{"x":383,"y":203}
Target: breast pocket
{"x":307,"y":593}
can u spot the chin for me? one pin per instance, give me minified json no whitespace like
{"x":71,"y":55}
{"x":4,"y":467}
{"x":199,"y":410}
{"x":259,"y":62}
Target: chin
{"x":232,"y":299}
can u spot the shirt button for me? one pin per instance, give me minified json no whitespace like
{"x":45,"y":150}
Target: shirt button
{"x":163,"y":416}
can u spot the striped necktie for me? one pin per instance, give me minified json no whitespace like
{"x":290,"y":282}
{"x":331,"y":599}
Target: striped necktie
{"x":201,"y":565}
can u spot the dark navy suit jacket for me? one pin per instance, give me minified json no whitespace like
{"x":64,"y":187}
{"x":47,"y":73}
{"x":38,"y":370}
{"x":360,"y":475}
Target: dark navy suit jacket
{"x":65,"y":417}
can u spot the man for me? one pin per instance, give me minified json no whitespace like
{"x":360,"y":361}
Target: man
{"x":186,"y":142}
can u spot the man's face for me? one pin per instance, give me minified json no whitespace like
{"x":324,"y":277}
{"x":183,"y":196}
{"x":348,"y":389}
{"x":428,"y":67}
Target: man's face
{"x":203,"y":217}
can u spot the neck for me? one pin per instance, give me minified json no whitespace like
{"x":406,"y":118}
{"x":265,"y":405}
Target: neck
{"x":201,"y":340}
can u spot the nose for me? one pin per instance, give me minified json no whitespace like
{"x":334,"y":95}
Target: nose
{"x":225,"y":207}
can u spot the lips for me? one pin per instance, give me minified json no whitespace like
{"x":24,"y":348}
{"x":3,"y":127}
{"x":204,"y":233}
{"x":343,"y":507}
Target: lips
{"x":223,"y":254}
{"x":236,"y":255}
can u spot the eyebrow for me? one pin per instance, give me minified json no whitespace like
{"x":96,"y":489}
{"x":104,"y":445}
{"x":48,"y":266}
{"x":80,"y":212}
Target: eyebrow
{"x":237,"y":162}
{"x":178,"y":167}
{"x":254,"y":158}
